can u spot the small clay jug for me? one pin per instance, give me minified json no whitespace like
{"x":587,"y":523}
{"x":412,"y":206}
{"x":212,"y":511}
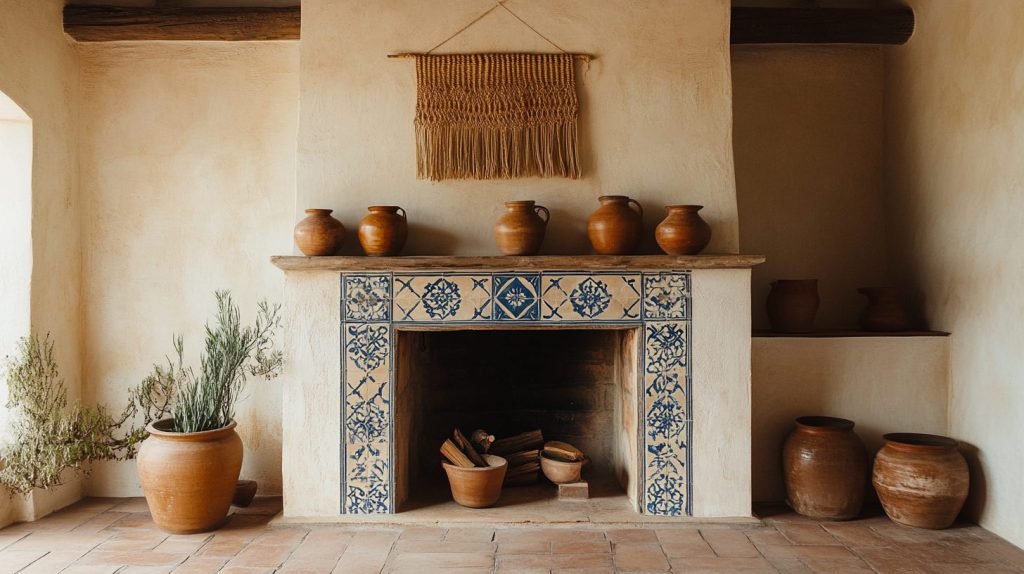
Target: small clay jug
{"x":319,"y":233}
{"x":792,"y":305}
{"x":382,"y":233}
{"x":921,"y":479}
{"x":520,"y":230}
{"x":885,"y":310}
{"x":825,"y":468}
{"x":615,"y":228}
{"x":683,"y":232}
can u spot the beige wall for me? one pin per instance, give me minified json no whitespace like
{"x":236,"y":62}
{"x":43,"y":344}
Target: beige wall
{"x":807,"y":134}
{"x":655,"y":121}
{"x":955,"y":139}
{"x":188,"y":182}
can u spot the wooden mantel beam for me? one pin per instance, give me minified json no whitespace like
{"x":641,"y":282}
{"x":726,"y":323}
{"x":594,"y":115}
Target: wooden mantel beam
{"x":117,"y":23}
{"x":814,"y":25}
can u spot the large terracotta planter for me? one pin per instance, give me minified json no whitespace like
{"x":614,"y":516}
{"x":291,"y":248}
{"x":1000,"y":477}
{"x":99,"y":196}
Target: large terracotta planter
{"x":382,"y":233}
{"x":477,"y":487}
{"x":683,"y":231}
{"x":792,"y":305}
{"x":319,"y":233}
{"x":615,"y":228}
{"x":885,"y":310}
{"x":520,"y":230}
{"x":922,"y":480}
{"x":825,"y":468}
{"x":189,"y":478}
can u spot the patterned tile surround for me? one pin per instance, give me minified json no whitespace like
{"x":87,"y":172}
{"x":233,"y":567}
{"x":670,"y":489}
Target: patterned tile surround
{"x":375,"y":305}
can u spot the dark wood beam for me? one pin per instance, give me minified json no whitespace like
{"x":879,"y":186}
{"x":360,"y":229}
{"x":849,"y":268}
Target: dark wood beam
{"x":822,"y":25}
{"x":114,"y":23}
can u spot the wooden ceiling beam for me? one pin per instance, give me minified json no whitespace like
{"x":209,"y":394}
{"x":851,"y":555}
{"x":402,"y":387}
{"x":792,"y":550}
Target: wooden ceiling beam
{"x":815,"y":25}
{"x":117,"y":23}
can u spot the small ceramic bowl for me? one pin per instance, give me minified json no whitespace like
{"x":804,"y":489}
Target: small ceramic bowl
{"x":560,"y":472}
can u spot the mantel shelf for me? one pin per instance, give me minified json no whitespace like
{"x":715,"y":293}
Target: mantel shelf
{"x":502,"y":263}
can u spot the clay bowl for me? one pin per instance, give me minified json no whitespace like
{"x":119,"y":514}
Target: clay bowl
{"x":560,"y":472}
{"x":477,"y":487}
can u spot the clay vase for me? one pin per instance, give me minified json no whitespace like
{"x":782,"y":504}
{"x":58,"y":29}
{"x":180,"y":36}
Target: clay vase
{"x":477,"y":487}
{"x":792,"y":305}
{"x":885,"y":310}
{"x":319,"y":233}
{"x":683,"y":232}
{"x":189,"y":479}
{"x":520,"y":230}
{"x":825,"y":468}
{"x":615,"y":228}
{"x":382,"y":233}
{"x":921,"y":479}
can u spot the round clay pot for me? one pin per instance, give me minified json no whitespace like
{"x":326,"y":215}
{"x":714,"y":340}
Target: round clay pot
{"x":921,"y":479}
{"x":825,"y":468}
{"x":189,"y":479}
{"x":245,"y":491}
{"x":683,"y":232}
{"x":561,"y":472}
{"x":477,"y":487}
{"x":520,"y":230}
{"x":615,"y":228}
{"x":382,"y":233}
{"x":792,"y":305}
{"x":885,"y":310}
{"x":319,"y":233}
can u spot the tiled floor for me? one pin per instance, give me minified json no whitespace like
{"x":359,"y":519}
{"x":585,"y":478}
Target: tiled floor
{"x":104,"y":536}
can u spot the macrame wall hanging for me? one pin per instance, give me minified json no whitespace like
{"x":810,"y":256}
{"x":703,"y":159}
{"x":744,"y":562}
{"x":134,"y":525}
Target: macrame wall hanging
{"x":496,"y":116}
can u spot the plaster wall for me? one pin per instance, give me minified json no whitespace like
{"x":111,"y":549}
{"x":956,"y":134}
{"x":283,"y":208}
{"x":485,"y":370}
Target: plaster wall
{"x":655,"y":115}
{"x":954,"y":139}
{"x":807,"y":135}
{"x":188,"y":180}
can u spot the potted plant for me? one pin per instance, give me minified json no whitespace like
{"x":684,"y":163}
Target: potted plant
{"x":190,"y":463}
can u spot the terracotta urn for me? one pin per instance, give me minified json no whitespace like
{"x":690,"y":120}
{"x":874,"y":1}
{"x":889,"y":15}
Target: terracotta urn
{"x":189,"y":479}
{"x":615,"y":228}
{"x":825,"y":468}
{"x":382,"y":233}
{"x":792,"y":305}
{"x":520,"y":230}
{"x":683,"y":232}
{"x":477,"y":487}
{"x":885,"y":310}
{"x":319,"y":233}
{"x":922,"y":480}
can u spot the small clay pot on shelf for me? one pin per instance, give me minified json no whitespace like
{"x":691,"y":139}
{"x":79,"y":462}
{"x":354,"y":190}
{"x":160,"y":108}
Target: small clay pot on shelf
{"x":477,"y":487}
{"x":383,"y":232}
{"x":825,"y":468}
{"x":615,"y":228}
{"x":561,"y":471}
{"x":520,"y":230}
{"x":792,"y":305}
{"x":319,"y":234}
{"x":683,"y":231}
{"x":886,"y":310}
{"x":922,"y":480}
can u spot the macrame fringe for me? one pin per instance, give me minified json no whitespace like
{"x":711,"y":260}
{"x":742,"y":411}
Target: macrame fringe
{"x":496,"y":116}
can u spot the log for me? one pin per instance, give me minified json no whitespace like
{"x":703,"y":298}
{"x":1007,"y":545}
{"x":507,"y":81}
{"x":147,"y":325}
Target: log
{"x":520,"y":458}
{"x":815,"y":25}
{"x":481,"y":440}
{"x":117,"y":23}
{"x":467,"y":449}
{"x":532,"y":440}
{"x":563,"y":451}
{"x":455,"y":455}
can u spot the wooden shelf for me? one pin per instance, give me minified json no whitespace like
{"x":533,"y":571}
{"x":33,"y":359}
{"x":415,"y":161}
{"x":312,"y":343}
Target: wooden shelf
{"x":842,"y":333}
{"x":503,"y":263}
{"x":815,"y":25}
{"x":228,"y":24}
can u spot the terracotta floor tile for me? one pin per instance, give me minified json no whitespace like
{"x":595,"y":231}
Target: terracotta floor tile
{"x":807,"y":534}
{"x":90,"y":569}
{"x":887,"y":560}
{"x":360,"y":563}
{"x":729,"y":543}
{"x":433,"y":547}
{"x":423,"y":533}
{"x":13,"y":560}
{"x":441,"y":560}
{"x":548,"y":535}
{"x":261,"y":556}
{"x":640,"y":558}
{"x":539,"y":561}
{"x":54,"y":561}
{"x":723,"y":565}
{"x":308,"y":566}
{"x":100,"y":521}
{"x":244,"y":570}
{"x":469,"y":535}
{"x":132,"y":558}
{"x":632,"y":536}
{"x":200,"y":565}
{"x":853,"y":534}
{"x":766,"y":537}
{"x":535,"y":547}
{"x":584,"y":547}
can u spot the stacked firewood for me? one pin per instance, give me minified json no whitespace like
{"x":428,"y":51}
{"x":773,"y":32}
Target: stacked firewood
{"x":522,"y":452}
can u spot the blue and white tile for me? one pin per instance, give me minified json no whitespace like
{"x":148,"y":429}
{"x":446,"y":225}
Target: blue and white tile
{"x":666,"y":416}
{"x":436,"y":298}
{"x":667,"y":295}
{"x":516,"y":297}
{"x":590,"y":297}
{"x":365,"y":297}
{"x":367,"y":419}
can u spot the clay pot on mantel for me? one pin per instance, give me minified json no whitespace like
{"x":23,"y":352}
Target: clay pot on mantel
{"x":792,"y":305}
{"x":382,"y":233}
{"x":885,"y":311}
{"x":615,"y":228}
{"x":683,"y":232}
{"x":319,"y":234}
{"x":520,"y":230}
{"x":477,"y":487}
{"x":825,"y":468}
{"x":922,"y":480}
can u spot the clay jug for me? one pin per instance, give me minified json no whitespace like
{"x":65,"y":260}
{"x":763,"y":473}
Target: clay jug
{"x":319,"y":233}
{"x":792,"y":305}
{"x":825,"y":468}
{"x":683,"y":232}
{"x":615,"y":228}
{"x":383,"y":232}
{"x":922,"y":480}
{"x":885,"y":310}
{"x":520,"y":231}
{"x":189,"y":479}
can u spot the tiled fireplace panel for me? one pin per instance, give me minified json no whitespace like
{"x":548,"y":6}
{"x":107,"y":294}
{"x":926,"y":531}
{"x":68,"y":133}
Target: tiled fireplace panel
{"x":374,"y":305}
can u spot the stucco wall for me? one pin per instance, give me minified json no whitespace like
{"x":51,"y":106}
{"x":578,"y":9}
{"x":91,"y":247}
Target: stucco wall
{"x":808,"y":132}
{"x":954,"y":142}
{"x":188,"y":182}
{"x":655,"y":121}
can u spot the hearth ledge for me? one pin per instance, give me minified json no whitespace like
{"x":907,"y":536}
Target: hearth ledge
{"x":541,"y":262}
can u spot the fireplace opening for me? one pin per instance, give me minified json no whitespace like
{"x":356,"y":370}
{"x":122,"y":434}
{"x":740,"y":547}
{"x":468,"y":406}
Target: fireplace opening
{"x":576,"y":385}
